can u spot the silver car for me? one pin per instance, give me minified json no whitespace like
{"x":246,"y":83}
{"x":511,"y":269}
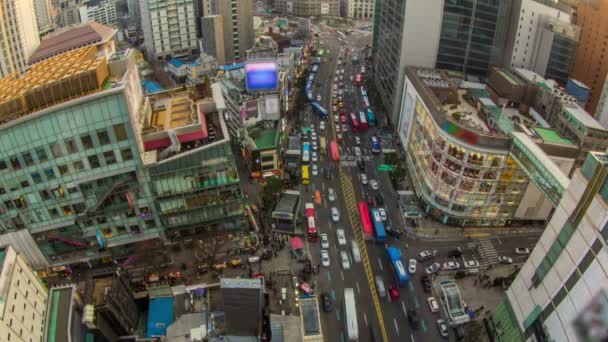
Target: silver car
{"x":344,"y":260}
{"x":335,"y":214}
{"x":380,"y":286}
{"x":341,"y":237}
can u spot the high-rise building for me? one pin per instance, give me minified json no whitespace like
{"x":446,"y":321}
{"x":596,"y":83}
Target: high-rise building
{"x":590,"y":65}
{"x":18,"y":35}
{"x":43,"y":16}
{"x":243,"y":298}
{"x":169,"y":28}
{"x":359,"y":10}
{"x":555,"y":50}
{"x":103,"y":12}
{"x":205,"y":7}
{"x":213,"y":37}
{"x":237,"y":20}
{"x":566,"y":268}
{"x":134,"y":13}
{"x":69,"y":12}
{"x":465,"y":37}
{"x":23,"y":308}
{"x":307,"y":8}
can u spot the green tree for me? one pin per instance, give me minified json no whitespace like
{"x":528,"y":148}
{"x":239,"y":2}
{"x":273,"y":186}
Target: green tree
{"x":271,"y":192}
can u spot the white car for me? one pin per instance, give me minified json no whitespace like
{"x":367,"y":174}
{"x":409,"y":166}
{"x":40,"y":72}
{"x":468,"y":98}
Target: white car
{"x":443,"y":328}
{"x":412,"y":266}
{"x":356,"y":251}
{"x":345,"y":261}
{"x":522,"y":251}
{"x":433,"y":268}
{"x":315,"y":170}
{"x":357,"y":151}
{"x":451,"y":265}
{"x":340,"y":92}
{"x":344,"y":128}
{"x":315,"y":146}
{"x":313,"y":135}
{"x":382,"y":213}
{"x":331,"y":194}
{"x":335,"y":214}
{"x":337,"y":118}
{"x":319,"y":98}
{"x":341,"y":237}
{"x":433,"y":304}
{"x":471,"y":264}
{"x":322,"y":126}
{"x":314,"y":157}
{"x":357,"y":140}
{"x":325,"y":258}
{"x":324,"y":241}
{"x":374,"y":184}
{"x":335,"y":109}
{"x":505,"y":260}
{"x":363,"y":179}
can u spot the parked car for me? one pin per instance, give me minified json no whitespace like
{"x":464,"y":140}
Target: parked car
{"x":344,"y":260}
{"x":380,"y":199}
{"x":426,"y":255}
{"x":336,"y":118}
{"x":433,"y":268}
{"x":324,"y":241}
{"x":341,"y":237}
{"x":455,"y":253}
{"x":324,"y":258}
{"x":363,"y":179}
{"x":342,"y":118}
{"x":505,"y":260}
{"x":335,"y":214}
{"x":339,"y":137}
{"x":393,"y":232}
{"x":471,"y":264}
{"x":451,"y":265}
{"x":412,"y":266}
{"x":374,"y":184}
{"x":344,"y":128}
{"x":328,"y":173}
{"x":380,"y":286}
{"x":327,"y":302}
{"x":443,"y":328}
{"x":433,"y":304}
{"x":522,"y":251}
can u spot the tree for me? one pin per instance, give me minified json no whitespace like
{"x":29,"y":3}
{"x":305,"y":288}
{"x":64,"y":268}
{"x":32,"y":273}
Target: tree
{"x":473,"y":331}
{"x":272,"y":191}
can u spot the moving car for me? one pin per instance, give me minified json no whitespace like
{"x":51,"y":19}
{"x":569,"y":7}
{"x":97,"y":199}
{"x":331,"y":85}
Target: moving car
{"x":315,"y":146}
{"x":334,"y":108}
{"x":327,"y":302}
{"x":361,"y":164}
{"x":522,"y":251}
{"x":341,"y":237}
{"x":451,"y":265}
{"x":357,"y":140}
{"x":336,"y":118}
{"x":339,"y":137}
{"x":426,"y":283}
{"x":412,"y":316}
{"x":324,"y":241}
{"x":471,"y":264}
{"x":319,"y":98}
{"x":344,"y":260}
{"x":443,"y":328}
{"x":455,"y":253}
{"x":344,"y":128}
{"x":331,"y":194}
{"x":396,"y":233}
{"x":433,"y":268}
{"x":363,"y":179}
{"x":426,"y":255}
{"x":324,"y":258}
{"x":505,"y":260}
{"x":433,"y":304}
{"x":314,"y":157}
{"x":412,"y":266}
{"x":393,"y":291}
{"x":374,"y":184}
{"x":380,"y":286}
{"x":356,"y":252}
{"x":342,"y":118}
{"x":382,"y":213}
{"x":357,"y":151}
{"x":328,"y":173}
{"x":335,"y":214}
{"x":315,"y":170}
{"x":322,"y":126}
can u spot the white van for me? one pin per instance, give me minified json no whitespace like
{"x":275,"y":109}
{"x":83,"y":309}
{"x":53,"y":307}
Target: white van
{"x":356,"y":252}
{"x":380,"y":287}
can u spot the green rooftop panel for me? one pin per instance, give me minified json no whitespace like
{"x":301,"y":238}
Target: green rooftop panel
{"x":264,"y":138}
{"x":551,"y":136}
{"x":509,"y":78}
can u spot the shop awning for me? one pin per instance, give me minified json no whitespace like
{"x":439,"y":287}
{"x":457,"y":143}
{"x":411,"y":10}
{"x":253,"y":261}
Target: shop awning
{"x":297,"y":243}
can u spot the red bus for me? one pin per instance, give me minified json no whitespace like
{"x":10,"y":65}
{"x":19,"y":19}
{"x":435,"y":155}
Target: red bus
{"x":311,"y":224}
{"x":366,"y":221}
{"x":363,"y":120}
{"x":355,"y":121}
{"x":358,"y":80}
{"x":335,"y":152}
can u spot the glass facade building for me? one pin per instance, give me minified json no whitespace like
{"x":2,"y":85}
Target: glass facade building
{"x":561,"y":58}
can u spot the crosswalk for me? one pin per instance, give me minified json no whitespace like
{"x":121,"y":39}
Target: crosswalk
{"x":485,"y":252}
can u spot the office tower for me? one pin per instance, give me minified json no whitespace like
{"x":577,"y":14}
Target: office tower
{"x":69,"y":12}
{"x":205,"y":8}
{"x":169,"y":28}
{"x":359,"y":9}
{"x":555,"y":50}
{"x":103,"y":12}
{"x":307,"y":8}
{"x":590,"y":65}
{"x":18,"y":35}
{"x":43,"y":16}
{"x":134,"y":13}
{"x":213,"y":37}
{"x":566,"y":268}
{"x":243,"y":298}
{"x":465,"y":37}
{"x":237,"y":19}
{"x":23,"y":299}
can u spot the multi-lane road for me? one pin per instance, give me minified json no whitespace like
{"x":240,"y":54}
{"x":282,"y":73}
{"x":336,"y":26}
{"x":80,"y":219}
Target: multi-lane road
{"x":334,"y":279}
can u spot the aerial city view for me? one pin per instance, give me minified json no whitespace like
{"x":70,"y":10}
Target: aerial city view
{"x":303,"y":170}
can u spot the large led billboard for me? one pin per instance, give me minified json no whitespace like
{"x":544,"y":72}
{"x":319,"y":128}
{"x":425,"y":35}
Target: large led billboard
{"x":262,"y":75}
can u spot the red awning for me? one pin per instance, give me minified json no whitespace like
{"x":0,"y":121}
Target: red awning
{"x":297,"y":243}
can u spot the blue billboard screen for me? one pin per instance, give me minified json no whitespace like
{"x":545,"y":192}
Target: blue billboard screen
{"x":262,"y":76}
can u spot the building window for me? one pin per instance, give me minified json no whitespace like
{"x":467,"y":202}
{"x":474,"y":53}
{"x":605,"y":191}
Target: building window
{"x":28,"y":159}
{"x":56,"y":149}
{"x":67,"y":210}
{"x":15,"y":162}
{"x":126,"y":154}
{"x":36,"y":177}
{"x":25,"y":184}
{"x":63,"y":170}
{"x":87,"y":142}
{"x":50,"y":173}
{"x":94,"y":161}
{"x":109,"y":157}
{"x":103,"y":137}
{"x":3,"y":165}
{"x":70,"y":144}
{"x":120,"y":132}
{"x":78,"y":165}
{"x":45,"y":194}
{"x":53,"y":212}
{"x":41,"y":154}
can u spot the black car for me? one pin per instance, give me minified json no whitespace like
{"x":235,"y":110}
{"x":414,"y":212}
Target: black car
{"x":327,"y":172}
{"x":380,"y":199}
{"x":327,"y":304}
{"x":412,"y":316}
{"x":361,"y":164}
{"x":393,"y":232}
{"x":426,"y":283}
{"x":455,"y":253}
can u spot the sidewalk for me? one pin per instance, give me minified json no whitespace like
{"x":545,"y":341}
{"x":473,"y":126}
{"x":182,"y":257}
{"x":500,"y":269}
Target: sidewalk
{"x":433,"y":230}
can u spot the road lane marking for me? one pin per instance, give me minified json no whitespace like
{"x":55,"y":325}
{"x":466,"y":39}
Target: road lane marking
{"x":412,"y":336}
{"x":403,"y":307}
{"x":423,"y":326}
{"x":342,"y":275}
{"x":411,"y":286}
{"x":396,"y":327}
{"x":380,"y":263}
{"x":365,"y":318}
{"x":358,"y":289}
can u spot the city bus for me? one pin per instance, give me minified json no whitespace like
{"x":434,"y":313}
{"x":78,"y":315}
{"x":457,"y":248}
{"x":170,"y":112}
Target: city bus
{"x":366,"y":101}
{"x":371,"y":117}
{"x":319,"y":110}
{"x":375,"y":144}
{"x":358,"y":80}
{"x":394,"y":259}
{"x":305,"y":153}
{"x":322,"y":145}
{"x":311,"y":225}
{"x":355,"y":121}
{"x":366,"y":223}
{"x":379,"y":232}
{"x":335,"y":151}
{"x":305,"y":175}
{"x":350,"y":315}
{"x":363,"y":121}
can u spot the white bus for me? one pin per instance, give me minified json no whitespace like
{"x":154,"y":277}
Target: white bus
{"x":305,"y":153}
{"x":350,"y":315}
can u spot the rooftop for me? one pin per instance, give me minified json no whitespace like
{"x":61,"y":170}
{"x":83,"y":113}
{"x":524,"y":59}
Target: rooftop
{"x":264,"y":136}
{"x":551,"y":136}
{"x":57,"y":326}
{"x":453,"y":302}
{"x":54,"y":80}
{"x":72,"y":37}
{"x":582,"y":116}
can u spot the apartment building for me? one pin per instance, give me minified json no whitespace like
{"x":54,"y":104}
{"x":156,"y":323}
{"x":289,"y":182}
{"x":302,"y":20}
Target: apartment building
{"x":18,"y":35}
{"x":237,"y":21}
{"x":103,"y":12}
{"x":43,"y":16}
{"x":307,"y":8}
